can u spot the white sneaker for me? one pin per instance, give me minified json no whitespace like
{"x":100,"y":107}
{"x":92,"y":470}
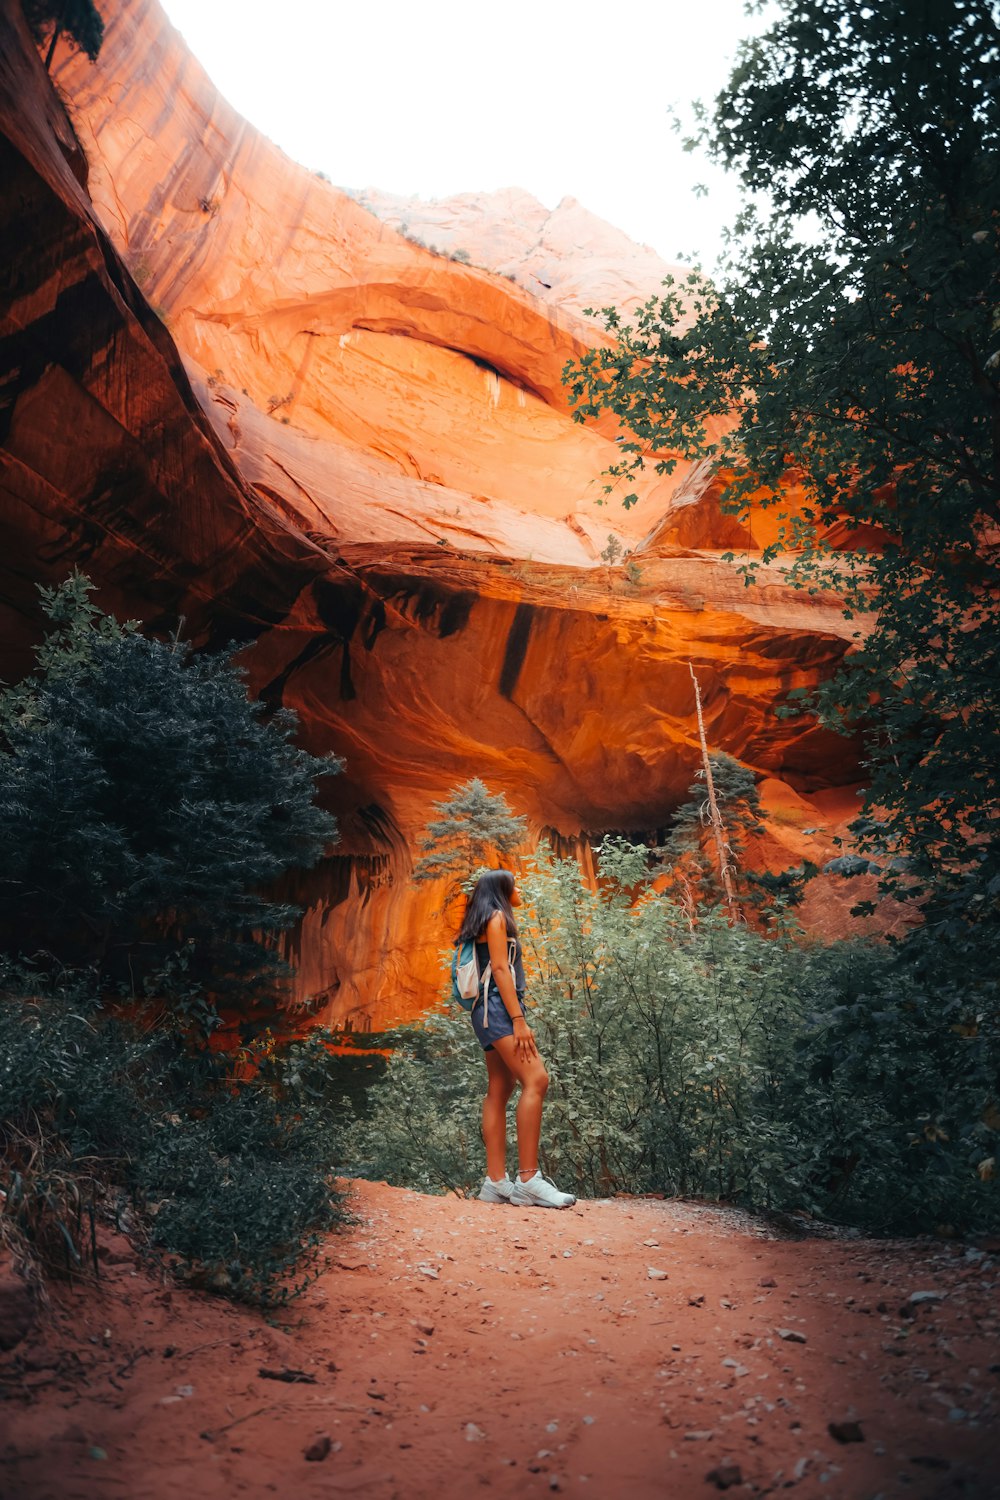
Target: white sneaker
{"x":539,"y":1192}
{"x":496,"y":1192}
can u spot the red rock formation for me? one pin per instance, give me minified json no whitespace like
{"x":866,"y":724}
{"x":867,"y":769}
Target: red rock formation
{"x":406,"y":381}
{"x":565,"y":256}
{"x":239,"y":397}
{"x":107,"y":458}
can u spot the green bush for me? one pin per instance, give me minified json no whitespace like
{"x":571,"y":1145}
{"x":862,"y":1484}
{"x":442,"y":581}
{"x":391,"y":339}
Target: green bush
{"x":224,"y":1162}
{"x":710,"y":1061}
{"x":145,"y":805}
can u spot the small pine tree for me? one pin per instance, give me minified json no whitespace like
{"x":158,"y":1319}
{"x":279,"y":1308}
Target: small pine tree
{"x":145,"y":805}
{"x":474,"y":827}
{"x":80,"y":20}
{"x":76,"y":628}
{"x":688,"y":849}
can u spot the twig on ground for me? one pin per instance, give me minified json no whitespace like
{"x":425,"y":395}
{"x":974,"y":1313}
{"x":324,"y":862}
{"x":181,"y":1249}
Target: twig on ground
{"x":291,"y":1377}
{"x":213,"y":1344}
{"x":211,"y":1433}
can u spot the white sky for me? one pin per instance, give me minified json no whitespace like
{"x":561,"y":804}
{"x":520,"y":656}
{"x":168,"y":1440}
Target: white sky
{"x":565,"y":98}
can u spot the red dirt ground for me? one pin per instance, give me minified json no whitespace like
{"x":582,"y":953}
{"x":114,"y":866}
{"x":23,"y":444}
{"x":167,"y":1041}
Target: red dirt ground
{"x":456,"y":1346}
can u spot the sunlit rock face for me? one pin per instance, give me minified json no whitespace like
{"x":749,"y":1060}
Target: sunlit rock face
{"x":107,"y":458}
{"x":565,"y":256}
{"x":241,"y":398}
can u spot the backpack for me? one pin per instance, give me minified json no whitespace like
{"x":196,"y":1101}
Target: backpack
{"x":468,"y":986}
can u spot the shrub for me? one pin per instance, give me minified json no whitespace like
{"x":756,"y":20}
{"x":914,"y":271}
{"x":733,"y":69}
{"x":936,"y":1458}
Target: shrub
{"x":226,"y":1168}
{"x":145,"y":802}
{"x":710,"y":1061}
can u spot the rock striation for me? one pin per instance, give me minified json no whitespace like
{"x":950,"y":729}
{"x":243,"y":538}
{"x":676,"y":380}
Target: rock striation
{"x":233,"y":394}
{"x":566,"y":256}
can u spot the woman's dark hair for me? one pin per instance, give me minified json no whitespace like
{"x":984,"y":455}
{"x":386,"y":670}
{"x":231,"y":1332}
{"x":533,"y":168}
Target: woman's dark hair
{"x":492,"y":892}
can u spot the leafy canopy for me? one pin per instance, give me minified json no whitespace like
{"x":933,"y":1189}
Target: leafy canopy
{"x":80,"y":20}
{"x":852,"y":347}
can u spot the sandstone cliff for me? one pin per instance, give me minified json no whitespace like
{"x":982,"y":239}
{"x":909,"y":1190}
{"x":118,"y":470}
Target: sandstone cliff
{"x":566,"y":256}
{"x":234,"y":394}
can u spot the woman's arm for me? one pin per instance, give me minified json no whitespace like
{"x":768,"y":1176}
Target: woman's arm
{"x":496,"y":936}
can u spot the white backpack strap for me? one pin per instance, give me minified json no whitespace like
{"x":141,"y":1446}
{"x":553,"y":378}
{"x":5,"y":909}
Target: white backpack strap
{"x":484,"y":988}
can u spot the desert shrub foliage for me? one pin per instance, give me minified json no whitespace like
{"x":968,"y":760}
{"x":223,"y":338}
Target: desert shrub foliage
{"x":710,"y":1060}
{"x":220,"y":1165}
{"x":146,"y":805}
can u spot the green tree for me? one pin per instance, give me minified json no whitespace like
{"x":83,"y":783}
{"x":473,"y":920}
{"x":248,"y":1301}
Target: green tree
{"x":78,"y":19}
{"x":689,"y":849}
{"x":852,"y":344}
{"x":691,"y":858}
{"x":473,"y":827}
{"x":145,"y":805}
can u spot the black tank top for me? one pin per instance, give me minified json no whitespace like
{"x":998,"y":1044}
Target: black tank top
{"x":483,"y":958}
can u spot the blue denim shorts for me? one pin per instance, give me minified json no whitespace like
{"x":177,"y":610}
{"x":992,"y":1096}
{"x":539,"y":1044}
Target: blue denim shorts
{"x":498,"y":1023}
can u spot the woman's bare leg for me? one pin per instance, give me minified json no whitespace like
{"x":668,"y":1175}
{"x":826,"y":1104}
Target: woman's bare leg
{"x":534,"y":1080}
{"x":499,"y":1090}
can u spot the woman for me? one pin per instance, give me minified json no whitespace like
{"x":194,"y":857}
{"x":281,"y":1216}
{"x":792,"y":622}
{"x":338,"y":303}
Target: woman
{"x":508,"y":1044}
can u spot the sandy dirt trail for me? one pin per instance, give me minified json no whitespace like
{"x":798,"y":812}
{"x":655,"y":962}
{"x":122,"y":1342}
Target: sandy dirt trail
{"x":623,"y":1348}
